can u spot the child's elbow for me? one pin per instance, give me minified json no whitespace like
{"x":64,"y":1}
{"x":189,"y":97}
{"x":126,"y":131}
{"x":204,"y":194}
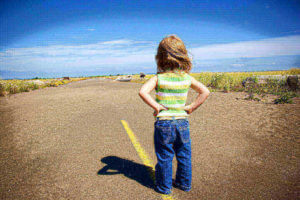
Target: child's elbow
{"x":141,"y":93}
{"x":207,"y":92}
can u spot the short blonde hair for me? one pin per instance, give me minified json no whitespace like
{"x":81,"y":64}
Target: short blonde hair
{"x":172,"y":54}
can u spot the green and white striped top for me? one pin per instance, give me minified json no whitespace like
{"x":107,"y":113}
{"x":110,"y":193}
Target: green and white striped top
{"x":171,"y":92}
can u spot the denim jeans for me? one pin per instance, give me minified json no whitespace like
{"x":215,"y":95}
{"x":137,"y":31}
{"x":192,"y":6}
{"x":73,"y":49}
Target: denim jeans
{"x":172,"y":137}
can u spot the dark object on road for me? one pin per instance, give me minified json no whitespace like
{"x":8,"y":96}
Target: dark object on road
{"x":293,"y":82}
{"x":142,"y":75}
{"x":66,"y":78}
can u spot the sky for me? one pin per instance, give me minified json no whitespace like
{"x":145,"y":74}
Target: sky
{"x":86,"y":38}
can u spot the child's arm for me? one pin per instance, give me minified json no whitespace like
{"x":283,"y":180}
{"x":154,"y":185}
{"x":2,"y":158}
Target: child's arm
{"x":145,"y":95}
{"x":203,"y":94}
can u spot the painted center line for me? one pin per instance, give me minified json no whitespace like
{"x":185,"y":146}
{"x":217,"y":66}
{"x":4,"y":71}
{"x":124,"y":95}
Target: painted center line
{"x":144,"y":157}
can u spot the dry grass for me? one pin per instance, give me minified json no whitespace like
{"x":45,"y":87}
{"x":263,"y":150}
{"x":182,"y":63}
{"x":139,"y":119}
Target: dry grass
{"x":16,"y":86}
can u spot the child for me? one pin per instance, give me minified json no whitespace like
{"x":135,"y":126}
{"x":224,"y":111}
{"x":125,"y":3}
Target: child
{"x":171,"y":133}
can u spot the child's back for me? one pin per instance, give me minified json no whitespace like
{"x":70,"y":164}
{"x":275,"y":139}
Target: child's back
{"x":171,"y":92}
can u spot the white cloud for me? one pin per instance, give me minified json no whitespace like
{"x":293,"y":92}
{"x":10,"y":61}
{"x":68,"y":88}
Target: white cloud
{"x":91,"y":29}
{"x":118,"y":42}
{"x":237,"y":65}
{"x":289,"y":45}
{"x":107,"y":48}
{"x":116,"y":52}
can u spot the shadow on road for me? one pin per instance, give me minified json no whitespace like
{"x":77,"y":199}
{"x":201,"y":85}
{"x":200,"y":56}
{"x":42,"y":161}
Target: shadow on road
{"x":130,"y":169}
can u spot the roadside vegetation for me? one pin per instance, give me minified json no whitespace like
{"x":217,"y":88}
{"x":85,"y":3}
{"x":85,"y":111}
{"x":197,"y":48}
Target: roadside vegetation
{"x":274,"y":82}
{"x":16,"y":86}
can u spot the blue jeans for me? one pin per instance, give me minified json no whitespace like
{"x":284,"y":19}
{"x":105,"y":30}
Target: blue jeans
{"x":172,"y":137}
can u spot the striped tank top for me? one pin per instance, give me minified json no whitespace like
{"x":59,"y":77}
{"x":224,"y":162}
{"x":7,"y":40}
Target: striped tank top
{"x":171,"y":92}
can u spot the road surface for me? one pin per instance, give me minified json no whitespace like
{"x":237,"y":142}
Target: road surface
{"x":68,"y":142}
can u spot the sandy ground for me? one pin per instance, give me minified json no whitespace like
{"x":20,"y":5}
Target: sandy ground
{"x":68,"y":143}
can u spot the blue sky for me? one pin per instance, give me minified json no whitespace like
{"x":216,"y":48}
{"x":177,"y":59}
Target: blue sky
{"x":73,"y":38}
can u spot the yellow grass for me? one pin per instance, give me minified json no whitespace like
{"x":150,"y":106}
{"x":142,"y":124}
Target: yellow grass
{"x":15,"y":86}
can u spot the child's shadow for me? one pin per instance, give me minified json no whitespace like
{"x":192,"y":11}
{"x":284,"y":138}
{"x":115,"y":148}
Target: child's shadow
{"x":130,"y":169}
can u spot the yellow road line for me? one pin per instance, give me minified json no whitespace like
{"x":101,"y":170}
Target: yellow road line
{"x":143,"y":155}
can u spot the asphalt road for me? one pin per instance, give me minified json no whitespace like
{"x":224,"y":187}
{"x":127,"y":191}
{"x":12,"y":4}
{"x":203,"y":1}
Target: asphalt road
{"x":68,"y":143}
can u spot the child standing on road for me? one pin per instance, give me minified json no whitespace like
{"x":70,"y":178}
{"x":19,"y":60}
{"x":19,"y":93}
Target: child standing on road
{"x":171,"y":128}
